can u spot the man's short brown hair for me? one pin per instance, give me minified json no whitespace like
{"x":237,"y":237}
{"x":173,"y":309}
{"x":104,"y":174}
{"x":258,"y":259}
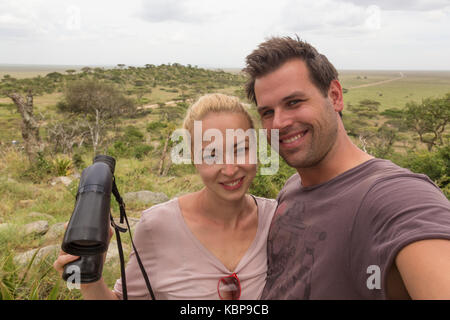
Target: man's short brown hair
{"x":274,"y":52}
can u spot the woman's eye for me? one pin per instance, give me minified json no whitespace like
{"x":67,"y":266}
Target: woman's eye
{"x":211,"y":155}
{"x":267,"y":113}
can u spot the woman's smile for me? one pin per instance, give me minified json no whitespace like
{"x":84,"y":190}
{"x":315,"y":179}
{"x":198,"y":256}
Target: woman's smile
{"x":234,"y":184}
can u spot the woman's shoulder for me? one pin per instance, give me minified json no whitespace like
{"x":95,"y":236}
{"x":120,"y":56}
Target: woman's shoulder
{"x":267,"y":201}
{"x":266,"y":205}
{"x":161,"y":211}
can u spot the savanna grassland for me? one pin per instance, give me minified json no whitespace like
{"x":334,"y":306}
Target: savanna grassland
{"x":413,"y":86}
{"x":379,"y":116}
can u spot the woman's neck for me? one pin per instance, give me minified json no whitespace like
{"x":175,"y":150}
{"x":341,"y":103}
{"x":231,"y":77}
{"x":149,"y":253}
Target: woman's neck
{"x":221,"y":211}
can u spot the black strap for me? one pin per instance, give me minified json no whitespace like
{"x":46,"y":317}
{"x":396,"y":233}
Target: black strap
{"x":119,"y":229}
{"x":122,"y":260}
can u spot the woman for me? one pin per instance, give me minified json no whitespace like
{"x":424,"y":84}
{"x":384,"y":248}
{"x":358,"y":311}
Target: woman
{"x":209,"y":244}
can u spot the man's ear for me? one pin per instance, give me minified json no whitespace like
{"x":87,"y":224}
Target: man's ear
{"x":335,"y":95}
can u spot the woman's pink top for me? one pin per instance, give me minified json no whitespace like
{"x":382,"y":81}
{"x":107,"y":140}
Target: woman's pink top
{"x":180,"y":267}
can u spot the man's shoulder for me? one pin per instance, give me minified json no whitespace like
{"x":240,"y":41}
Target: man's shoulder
{"x":292,"y":183}
{"x":367,"y":179}
{"x":395,"y":189}
{"x":382,"y":168}
{"x":378,"y":172}
{"x":293,"y":180}
{"x":382,"y":174}
{"x":369,"y":173}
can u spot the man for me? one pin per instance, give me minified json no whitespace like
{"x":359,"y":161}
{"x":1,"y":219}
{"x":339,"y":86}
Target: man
{"x":348,"y":225}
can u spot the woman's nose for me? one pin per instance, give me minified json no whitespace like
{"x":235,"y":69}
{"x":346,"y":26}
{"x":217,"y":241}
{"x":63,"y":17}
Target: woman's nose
{"x":229,"y":169}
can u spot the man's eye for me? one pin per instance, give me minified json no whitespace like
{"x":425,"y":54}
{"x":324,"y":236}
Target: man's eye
{"x":293,"y":102}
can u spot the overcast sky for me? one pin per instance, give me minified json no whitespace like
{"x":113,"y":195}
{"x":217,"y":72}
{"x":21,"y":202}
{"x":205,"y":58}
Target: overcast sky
{"x":353,"y":34}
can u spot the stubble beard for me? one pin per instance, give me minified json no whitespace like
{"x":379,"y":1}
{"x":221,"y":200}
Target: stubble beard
{"x":320,"y":143}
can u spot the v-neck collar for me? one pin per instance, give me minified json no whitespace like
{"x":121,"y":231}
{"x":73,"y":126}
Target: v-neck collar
{"x":207,"y":252}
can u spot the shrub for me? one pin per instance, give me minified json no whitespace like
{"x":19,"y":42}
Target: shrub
{"x":141,"y":150}
{"x":156,"y":125}
{"x":132,"y":135}
{"x":436,"y":165}
{"x":62,"y":166}
{"x":270,"y":185}
{"x":77,"y":161}
{"x":38,"y":170}
{"x":131,"y":144}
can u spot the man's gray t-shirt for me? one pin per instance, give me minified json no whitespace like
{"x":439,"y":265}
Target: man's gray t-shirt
{"x":332,"y":240}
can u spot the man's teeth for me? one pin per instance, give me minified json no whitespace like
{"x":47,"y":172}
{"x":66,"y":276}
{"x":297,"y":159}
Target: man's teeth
{"x":294,"y":138}
{"x":232,"y":184}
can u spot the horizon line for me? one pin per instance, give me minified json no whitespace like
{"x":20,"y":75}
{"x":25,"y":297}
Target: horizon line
{"x":199,"y":66}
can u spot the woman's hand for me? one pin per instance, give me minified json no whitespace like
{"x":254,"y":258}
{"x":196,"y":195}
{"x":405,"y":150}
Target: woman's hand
{"x":91,"y":291}
{"x":65,"y":258}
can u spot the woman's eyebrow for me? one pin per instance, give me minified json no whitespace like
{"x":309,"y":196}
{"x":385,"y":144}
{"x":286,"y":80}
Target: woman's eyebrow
{"x":261,"y":109}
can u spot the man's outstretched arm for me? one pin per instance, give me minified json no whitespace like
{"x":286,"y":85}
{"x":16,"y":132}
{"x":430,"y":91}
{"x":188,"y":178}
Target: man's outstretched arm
{"x":424,"y":267}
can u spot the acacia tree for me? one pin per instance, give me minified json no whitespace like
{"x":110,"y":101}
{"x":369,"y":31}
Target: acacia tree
{"x":363,"y":123}
{"x":64,"y":135}
{"x":99,"y":103}
{"x":22,"y":93}
{"x":429,"y":119}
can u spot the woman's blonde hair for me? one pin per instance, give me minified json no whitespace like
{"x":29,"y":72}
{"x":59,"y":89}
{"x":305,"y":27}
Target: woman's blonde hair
{"x":214,"y":103}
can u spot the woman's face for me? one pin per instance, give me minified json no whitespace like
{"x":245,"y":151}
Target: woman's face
{"x":229,"y":181}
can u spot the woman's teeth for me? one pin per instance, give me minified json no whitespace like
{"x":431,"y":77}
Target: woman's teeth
{"x":232,"y":184}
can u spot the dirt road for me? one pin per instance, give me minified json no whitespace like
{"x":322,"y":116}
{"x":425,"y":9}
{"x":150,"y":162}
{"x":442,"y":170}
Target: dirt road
{"x":378,"y":82}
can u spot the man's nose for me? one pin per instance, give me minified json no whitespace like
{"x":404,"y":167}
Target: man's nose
{"x":281,"y":119}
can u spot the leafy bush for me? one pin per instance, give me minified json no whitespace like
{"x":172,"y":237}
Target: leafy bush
{"x":38,"y":170}
{"x":270,"y":185}
{"x":141,"y":150}
{"x":62,"y":166}
{"x":131,"y":144}
{"x":436,"y":165}
{"x":144,"y":100}
{"x":77,"y":161}
{"x":156,"y":125}
{"x":132,"y":135}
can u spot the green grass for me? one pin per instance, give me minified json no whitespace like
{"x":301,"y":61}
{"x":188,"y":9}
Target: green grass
{"x":9,"y":122}
{"x":413,"y":87}
{"x":350,"y":78}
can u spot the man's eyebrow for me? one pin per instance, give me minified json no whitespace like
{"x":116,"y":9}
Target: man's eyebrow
{"x":294,"y":94}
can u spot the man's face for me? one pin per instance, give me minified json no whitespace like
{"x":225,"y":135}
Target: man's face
{"x":307,"y":121}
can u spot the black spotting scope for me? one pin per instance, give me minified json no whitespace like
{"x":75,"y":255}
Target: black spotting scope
{"x":87,"y":234}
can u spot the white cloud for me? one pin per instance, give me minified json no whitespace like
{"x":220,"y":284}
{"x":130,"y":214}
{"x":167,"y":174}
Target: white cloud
{"x":217,"y":33}
{"x":73,"y":21}
{"x":330,"y":17}
{"x":373,"y":20}
{"x":403,"y":5}
{"x":187,"y":11}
